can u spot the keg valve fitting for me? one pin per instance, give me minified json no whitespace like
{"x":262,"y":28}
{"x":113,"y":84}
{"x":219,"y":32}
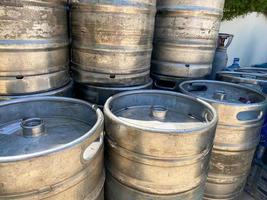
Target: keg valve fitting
{"x":33,"y":127}
{"x":219,"y":95}
{"x":159,"y":112}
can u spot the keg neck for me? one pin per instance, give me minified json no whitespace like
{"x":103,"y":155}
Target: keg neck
{"x":33,"y":127}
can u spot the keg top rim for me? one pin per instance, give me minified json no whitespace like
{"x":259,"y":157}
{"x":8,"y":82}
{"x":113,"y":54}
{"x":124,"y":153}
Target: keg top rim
{"x":263,"y":102}
{"x":205,"y":126}
{"x":260,"y":70}
{"x":245,"y":76}
{"x":36,"y":122}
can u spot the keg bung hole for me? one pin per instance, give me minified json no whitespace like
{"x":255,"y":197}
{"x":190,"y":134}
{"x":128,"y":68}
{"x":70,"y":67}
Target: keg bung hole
{"x":33,"y":127}
{"x":112,"y":76}
{"x":19,"y":77}
{"x":32,"y":122}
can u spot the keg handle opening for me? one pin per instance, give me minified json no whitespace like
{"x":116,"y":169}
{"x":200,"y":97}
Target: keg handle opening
{"x":93,"y":148}
{"x":159,"y":112}
{"x":166,"y":85}
{"x":33,"y":127}
{"x":250,"y":116}
{"x":197,"y":87}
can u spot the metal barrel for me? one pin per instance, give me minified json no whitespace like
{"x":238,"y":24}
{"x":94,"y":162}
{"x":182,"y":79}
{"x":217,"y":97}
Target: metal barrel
{"x":158,"y":145}
{"x":39,"y":135}
{"x":65,"y":91}
{"x":112,"y":41}
{"x":33,"y":46}
{"x":256,"y":81}
{"x":99,"y":95}
{"x":241,"y":113}
{"x":185,"y":37}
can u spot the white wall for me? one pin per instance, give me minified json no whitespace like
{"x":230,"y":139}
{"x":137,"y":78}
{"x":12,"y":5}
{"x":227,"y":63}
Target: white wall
{"x":250,"y":39}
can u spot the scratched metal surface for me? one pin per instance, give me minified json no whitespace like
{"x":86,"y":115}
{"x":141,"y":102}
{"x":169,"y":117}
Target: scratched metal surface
{"x":158,"y":145}
{"x":52,"y":149}
{"x":241,"y":112}
{"x":185,"y":37}
{"x":33,"y":45}
{"x":112,"y":39}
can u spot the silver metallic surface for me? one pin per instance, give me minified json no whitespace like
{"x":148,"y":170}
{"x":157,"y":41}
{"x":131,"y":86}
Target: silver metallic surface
{"x":241,"y":115}
{"x":39,"y":166}
{"x":32,"y":127}
{"x":185,"y":37}
{"x":65,"y":91}
{"x":162,"y":157}
{"x":112,"y":39}
{"x":114,"y":187}
{"x":33,"y":45}
{"x":256,"y":70}
{"x":159,"y":112}
{"x":99,"y":95}
{"x":256,"y":81}
{"x":33,"y":84}
{"x":112,"y":80}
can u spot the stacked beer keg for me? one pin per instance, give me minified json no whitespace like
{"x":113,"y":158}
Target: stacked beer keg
{"x":241,"y":112}
{"x":255,"y":78}
{"x":184,"y":40}
{"x":33,"y":49}
{"x":111,"y":47}
{"x":51,"y":148}
{"x":158,"y":145}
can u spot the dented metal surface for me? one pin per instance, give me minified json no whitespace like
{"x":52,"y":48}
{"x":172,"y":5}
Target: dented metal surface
{"x":65,"y":91}
{"x":241,"y":112}
{"x":33,"y":84}
{"x":33,"y":43}
{"x":52,"y":148}
{"x":158,"y":145}
{"x":185,"y":37}
{"x":112,"y":39}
